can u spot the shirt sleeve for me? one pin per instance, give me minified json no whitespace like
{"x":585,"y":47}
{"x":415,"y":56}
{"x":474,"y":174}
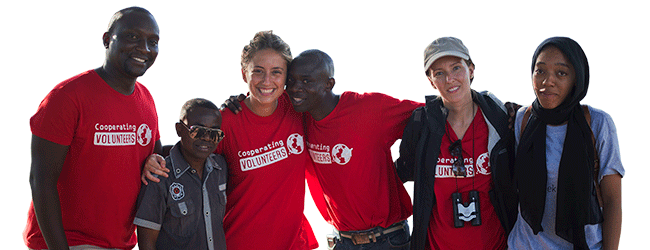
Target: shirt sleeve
{"x":395,"y":114}
{"x":606,"y":143}
{"x":56,"y":118}
{"x":151,"y":205}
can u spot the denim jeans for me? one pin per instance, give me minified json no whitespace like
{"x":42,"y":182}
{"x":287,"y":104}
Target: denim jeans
{"x":399,"y":239}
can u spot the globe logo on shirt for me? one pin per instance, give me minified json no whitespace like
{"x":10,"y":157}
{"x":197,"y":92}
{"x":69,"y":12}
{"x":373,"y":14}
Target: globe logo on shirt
{"x":483,"y":164}
{"x":144,"y":135}
{"x":341,"y":154}
{"x":295,"y":144}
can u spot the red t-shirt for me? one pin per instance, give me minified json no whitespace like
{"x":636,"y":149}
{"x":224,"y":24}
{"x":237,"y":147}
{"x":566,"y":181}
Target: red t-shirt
{"x":350,"y":149}
{"x":110,"y":135}
{"x":266,"y":179}
{"x":442,"y":233}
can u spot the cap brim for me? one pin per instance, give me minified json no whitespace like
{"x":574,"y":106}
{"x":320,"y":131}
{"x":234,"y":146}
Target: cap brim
{"x":432,"y":59}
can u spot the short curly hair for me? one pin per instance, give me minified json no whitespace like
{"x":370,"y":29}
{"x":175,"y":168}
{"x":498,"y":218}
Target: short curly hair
{"x":265,"y":40}
{"x":196,"y":103}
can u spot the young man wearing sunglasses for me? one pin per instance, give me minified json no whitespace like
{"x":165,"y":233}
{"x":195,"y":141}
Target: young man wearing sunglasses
{"x":186,"y":209}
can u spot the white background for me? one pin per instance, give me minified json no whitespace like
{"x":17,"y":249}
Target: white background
{"x":376,"y":47}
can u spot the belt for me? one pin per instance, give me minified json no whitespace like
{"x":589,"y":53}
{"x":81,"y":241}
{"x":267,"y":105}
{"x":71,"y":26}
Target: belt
{"x":371,"y":235}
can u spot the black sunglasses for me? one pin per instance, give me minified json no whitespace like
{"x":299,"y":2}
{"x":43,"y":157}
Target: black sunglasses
{"x":197,"y":132}
{"x":456,"y":150}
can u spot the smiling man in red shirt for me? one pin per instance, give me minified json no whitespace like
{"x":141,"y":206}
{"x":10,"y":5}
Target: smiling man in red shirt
{"x":91,"y":135}
{"x":349,"y":138}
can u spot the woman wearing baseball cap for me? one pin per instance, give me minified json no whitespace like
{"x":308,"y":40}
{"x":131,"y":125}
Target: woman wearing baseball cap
{"x":568,"y":169}
{"x":458,"y":149}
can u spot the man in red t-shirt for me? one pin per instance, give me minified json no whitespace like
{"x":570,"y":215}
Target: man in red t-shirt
{"x":353,"y":181}
{"x":91,"y":135}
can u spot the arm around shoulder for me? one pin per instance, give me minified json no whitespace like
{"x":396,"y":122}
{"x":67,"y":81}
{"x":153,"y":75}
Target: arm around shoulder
{"x":154,"y":166}
{"x":47,"y":162}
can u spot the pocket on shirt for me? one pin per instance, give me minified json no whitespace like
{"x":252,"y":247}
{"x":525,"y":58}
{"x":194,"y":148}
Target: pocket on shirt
{"x":185,"y":220}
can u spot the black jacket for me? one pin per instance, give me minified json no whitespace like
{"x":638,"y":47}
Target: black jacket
{"x":419,"y":152}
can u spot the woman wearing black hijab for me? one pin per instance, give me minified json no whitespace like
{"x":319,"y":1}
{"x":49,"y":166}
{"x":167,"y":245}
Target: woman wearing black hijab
{"x":565,"y":200}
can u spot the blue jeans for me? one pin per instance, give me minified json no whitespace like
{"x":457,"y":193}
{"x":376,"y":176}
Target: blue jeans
{"x":399,"y":239}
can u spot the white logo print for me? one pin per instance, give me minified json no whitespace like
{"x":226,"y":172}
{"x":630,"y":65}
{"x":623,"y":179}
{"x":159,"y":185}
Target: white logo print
{"x":176,"y":190}
{"x":341,"y":154}
{"x":115,"y":134}
{"x":319,"y":153}
{"x":483,"y":164}
{"x":144,"y":135}
{"x":265,"y":155}
{"x":295,"y":144}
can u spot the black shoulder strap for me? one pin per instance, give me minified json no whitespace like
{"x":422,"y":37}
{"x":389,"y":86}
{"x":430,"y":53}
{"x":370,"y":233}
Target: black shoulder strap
{"x":493,"y":112}
{"x":524,"y":121}
{"x":419,"y":117}
{"x":596,"y":170}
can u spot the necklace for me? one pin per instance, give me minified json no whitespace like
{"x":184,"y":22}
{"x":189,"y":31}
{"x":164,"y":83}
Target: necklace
{"x":456,"y":150}
{"x":464,"y":211}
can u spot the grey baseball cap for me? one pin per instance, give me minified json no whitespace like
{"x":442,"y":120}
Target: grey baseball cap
{"x":444,"y":46}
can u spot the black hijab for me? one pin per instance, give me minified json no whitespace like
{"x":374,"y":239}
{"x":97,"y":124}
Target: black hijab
{"x":575,"y":179}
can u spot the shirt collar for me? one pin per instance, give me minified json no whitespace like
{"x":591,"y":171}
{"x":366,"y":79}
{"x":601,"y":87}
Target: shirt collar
{"x":179,"y":166}
{"x":211,"y":163}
